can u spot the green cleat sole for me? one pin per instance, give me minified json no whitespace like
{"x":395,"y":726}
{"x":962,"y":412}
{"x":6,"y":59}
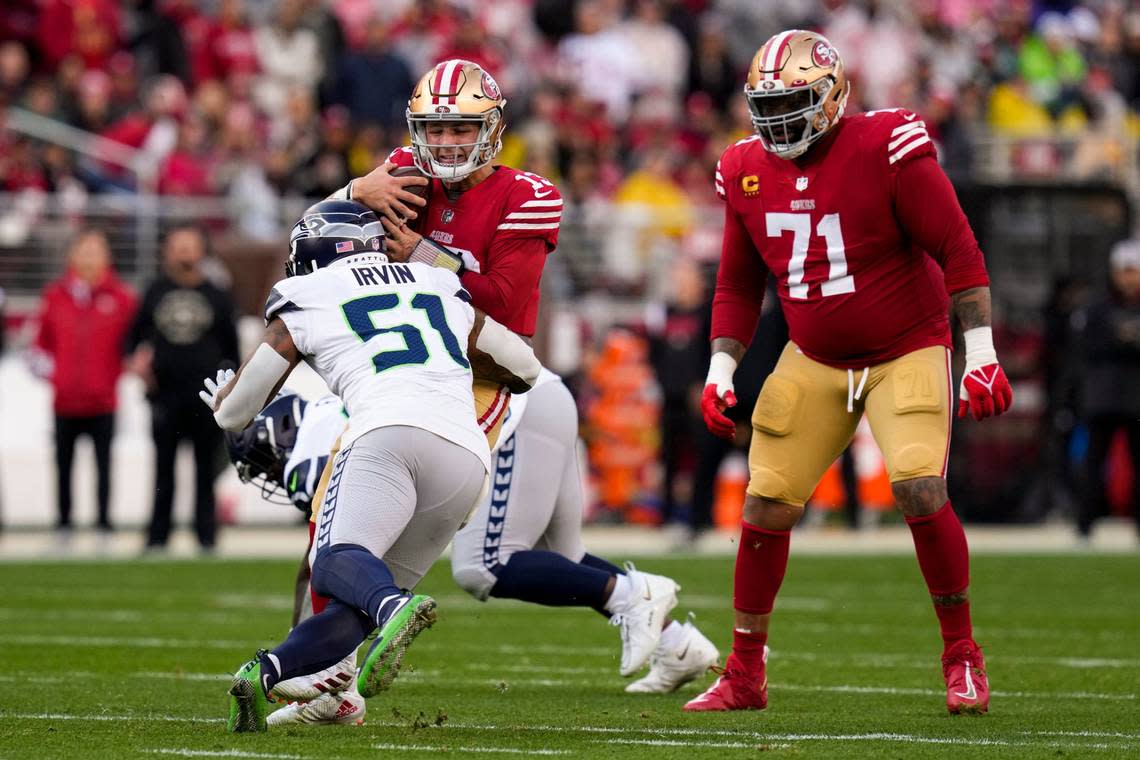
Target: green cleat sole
{"x":382,"y":663}
{"x":248,"y":706}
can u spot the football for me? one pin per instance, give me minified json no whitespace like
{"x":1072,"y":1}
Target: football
{"x":423,"y":191}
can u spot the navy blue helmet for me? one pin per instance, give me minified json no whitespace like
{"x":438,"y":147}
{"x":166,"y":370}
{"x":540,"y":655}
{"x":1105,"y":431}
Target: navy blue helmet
{"x":330,"y":230}
{"x":259,"y":452}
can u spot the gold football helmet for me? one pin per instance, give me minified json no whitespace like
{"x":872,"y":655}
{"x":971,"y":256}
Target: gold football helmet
{"x":456,"y":90}
{"x":796,"y":90}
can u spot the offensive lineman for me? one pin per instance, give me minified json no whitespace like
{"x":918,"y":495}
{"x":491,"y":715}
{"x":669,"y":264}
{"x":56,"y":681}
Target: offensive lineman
{"x":396,"y":342}
{"x":864,"y":235}
{"x":501,"y":224}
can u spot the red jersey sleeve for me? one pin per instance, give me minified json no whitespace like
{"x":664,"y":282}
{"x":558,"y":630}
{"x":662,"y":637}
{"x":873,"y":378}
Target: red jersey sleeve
{"x":508,"y":288}
{"x":740,"y":283}
{"x":928,"y":211}
{"x":533,"y":210}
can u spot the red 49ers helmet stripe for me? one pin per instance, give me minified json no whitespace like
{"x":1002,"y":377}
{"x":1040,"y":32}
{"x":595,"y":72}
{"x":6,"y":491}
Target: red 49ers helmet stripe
{"x":446,"y":83}
{"x":770,"y":66}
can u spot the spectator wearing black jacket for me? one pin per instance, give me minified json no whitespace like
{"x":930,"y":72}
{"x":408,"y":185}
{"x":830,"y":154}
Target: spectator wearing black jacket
{"x":1111,"y":377}
{"x":184,"y":332}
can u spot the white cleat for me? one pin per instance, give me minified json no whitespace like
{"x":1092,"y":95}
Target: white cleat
{"x":343,"y":709}
{"x":328,"y":681}
{"x":642,"y":619}
{"x":671,"y":667}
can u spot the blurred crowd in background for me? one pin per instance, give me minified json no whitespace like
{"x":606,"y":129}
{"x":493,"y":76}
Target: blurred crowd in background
{"x":626,"y":105}
{"x":623,"y":100}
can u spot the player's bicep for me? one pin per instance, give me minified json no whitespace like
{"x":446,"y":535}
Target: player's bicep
{"x":279,"y":338}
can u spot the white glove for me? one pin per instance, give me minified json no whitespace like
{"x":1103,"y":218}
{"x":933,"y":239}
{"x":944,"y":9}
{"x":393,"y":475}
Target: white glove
{"x":214,"y":387}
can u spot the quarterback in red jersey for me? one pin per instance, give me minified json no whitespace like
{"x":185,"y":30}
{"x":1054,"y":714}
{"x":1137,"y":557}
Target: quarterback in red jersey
{"x":496,"y":225}
{"x":862,"y":231}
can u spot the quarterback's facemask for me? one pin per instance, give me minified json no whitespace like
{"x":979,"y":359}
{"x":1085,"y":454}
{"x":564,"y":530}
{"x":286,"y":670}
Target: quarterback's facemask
{"x":331,"y":230}
{"x":455,"y":91}
{"x":259,"y":452}
{"x":796,"y":91}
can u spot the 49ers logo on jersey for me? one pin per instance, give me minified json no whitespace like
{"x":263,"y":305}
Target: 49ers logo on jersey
{"x":491,"y":87}
{"x":823,"y":55}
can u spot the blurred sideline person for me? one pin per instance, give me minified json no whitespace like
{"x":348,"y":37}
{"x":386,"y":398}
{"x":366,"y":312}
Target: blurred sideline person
{"x":495,"y":226}
{"x":1110,"y":341}
{"x":677,"y":350}
{"x":861,"y":229}
{"x":396,"y":342}
{"x":183,"y":331}
{"x":84,"y":318}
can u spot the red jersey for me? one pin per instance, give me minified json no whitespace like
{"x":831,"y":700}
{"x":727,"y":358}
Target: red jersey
{"x":82,"y":330}
{"x":506,"y":225}
{"x":863,"y":233}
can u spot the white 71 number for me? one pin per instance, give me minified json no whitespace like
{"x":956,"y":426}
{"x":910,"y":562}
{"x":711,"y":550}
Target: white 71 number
{"x":838,"y":281}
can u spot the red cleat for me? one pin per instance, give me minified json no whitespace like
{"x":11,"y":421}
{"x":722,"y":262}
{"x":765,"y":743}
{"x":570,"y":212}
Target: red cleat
{"x":967,"y":688}
{"x":734,"y":690}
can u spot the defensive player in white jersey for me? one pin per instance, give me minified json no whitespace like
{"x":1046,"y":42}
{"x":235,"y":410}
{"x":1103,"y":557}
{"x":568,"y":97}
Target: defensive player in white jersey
{"x":365,"y":326}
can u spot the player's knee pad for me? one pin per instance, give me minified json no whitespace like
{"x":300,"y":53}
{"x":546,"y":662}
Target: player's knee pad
{"x":766,"y":483}
{"x":476,"y":580}
{"x":778,"y":405}
{"x":915,"y":461}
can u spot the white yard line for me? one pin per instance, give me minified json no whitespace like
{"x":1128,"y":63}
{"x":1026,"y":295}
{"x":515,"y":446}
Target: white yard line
{"x":186,"y":752}
{"x":664,"y":736}
{"x":101,"y":717}
{"x":498,"y":681}
{"x":483,"y":750}
{"x":141,"y":642}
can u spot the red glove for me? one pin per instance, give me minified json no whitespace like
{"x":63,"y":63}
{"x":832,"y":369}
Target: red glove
{"x":712,"y":408}
{"x":985,"y":392}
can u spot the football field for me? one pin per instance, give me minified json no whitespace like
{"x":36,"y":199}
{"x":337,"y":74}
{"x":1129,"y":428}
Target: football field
{"x":129,"y":659}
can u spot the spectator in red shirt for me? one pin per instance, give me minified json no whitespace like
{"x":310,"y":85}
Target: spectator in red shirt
{"x":85,"y":317}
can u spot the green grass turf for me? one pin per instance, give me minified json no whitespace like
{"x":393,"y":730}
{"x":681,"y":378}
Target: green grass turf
{"x":128,"y":659}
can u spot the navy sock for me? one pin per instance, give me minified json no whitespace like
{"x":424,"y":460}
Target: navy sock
{"x":357,"y":577}
{"x":316,"y":643}
{"x":551,"y":579}
{"x":589,"y":560}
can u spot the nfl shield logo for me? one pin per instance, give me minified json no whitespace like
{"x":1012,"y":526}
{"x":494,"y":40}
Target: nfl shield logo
{"x":344,"y":247}
{"x":801,"y":183}
{"x":447,"y":215}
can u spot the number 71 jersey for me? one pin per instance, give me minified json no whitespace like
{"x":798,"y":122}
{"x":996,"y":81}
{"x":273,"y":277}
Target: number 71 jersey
{"x":391,"y":341}
{"x":855,"y":290}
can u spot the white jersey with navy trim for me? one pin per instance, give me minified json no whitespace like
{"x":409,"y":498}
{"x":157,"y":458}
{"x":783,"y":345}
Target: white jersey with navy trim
{"x":391,"y":341}
{"x":321,"y":424}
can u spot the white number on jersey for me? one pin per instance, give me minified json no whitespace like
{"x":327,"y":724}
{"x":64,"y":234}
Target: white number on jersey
{"x":838,"y":281}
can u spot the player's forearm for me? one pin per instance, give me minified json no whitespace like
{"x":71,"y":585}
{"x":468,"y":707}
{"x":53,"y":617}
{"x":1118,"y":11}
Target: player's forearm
{"x":730,"y":346}
{"x":500,"y":355}
{"x":972,"y":307}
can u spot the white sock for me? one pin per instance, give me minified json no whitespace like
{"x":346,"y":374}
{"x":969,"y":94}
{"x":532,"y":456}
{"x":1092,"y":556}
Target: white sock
{"x":622,"y":593}
{"x":671,"y":635}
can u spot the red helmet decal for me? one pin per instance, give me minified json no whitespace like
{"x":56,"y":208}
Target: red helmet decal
{"x":490,"y":87}
{"x":824,"y":55}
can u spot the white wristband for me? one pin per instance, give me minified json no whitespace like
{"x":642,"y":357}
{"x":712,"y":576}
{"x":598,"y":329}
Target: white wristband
{"x":343,"y":194}
{"x":979,"y":347}
{"x":721,"y":368}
